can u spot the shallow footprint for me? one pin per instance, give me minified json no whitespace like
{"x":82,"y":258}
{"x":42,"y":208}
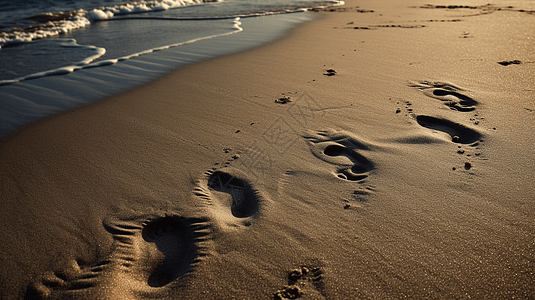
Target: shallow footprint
{"x":458,"y":133}
{"x":305,"y":280}
{"x":231,"y":198}
{"x":144,"y":256}
{"x":341,"y":149}
{"x":448,"y":93}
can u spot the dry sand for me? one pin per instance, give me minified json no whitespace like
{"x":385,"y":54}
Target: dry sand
{"x":406,"y":171}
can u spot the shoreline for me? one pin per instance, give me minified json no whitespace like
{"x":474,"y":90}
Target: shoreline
{"x":27,"y":101}
{"x":394,"y":165}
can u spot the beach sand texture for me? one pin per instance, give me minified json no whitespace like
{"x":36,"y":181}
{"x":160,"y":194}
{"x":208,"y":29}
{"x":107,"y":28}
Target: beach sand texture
{"x":383,"y":151}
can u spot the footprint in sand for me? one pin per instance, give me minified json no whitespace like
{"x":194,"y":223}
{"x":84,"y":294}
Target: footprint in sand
{"x":144,"y":256}
{"x":303,"y":280}
{"x":458,"y":133}
{"x":448,"y":93}
{"x":341,"y":149}
{"x":230,"y":197}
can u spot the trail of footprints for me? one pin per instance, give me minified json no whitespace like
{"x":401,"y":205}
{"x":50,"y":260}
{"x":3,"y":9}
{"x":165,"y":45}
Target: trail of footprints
{"x":347,"y":153}
{"x":152,"y":252}
{"x":451,"y":96}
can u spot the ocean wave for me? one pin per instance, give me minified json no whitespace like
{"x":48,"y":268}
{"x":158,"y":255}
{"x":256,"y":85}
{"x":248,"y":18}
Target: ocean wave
{"x":88,"y":62}
{"x":54,"y":24}
{"x":48,"y":95}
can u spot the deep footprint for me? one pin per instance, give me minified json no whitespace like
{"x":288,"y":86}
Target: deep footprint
{"x":458,"y":133}
{"x":231,"y":200}
{"x":449,"y":94}
{"x":245,"y":201}
{"x":172,"y":238}
{"x":144,"y":256}
{"x":339,"y":148}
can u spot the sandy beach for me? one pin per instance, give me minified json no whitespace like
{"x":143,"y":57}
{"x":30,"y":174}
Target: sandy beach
{"x":385,"y":150}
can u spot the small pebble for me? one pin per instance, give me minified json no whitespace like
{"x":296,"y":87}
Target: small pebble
{"x":455,"y":138}
{"x":347,"y":206}
{"x":467,"y":165}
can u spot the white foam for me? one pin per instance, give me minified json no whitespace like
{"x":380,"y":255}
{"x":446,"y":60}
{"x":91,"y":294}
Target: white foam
{"x":48,"y":29}
{"x":97,"y":14}
{"x":86,"y":63}
{"x":82,"y":18}
{"x":67,"y":43}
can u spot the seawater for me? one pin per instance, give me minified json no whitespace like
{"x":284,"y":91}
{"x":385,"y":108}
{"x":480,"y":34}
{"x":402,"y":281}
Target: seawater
{"x":100,"y":47}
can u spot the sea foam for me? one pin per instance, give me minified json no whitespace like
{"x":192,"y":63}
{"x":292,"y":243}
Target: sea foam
{"x":86,"y":63}
{"x":54,"y":24}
